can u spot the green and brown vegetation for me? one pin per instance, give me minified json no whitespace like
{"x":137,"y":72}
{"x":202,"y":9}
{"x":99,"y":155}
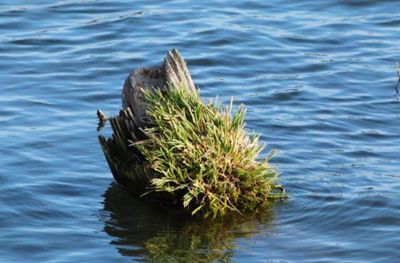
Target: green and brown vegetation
{"x":202,"y":153}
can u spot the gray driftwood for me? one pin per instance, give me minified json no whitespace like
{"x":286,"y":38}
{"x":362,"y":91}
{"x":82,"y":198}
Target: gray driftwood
{"x":127,"y":165}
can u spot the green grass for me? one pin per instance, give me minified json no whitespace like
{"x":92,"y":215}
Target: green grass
{"x":202,"y":153}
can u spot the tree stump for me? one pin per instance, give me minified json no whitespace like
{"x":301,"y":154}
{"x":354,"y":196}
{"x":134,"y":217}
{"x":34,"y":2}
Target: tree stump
{"x":128,"y":166}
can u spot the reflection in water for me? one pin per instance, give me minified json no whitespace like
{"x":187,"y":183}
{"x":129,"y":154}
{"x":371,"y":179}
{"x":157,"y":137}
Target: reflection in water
{"x":143,"y":230}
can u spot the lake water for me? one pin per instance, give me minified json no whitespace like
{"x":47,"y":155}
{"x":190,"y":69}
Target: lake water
{"x":318,"y":78}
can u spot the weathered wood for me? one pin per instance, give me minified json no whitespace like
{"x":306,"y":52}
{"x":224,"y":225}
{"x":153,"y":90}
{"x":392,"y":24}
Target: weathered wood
{"x":140,"y":79}
{"x":127,"y":165}
{"x":172,"y":73}
{"x":176,"y":72}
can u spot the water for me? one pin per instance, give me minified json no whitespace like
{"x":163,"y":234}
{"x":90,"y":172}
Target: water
{"x":318,"y":78}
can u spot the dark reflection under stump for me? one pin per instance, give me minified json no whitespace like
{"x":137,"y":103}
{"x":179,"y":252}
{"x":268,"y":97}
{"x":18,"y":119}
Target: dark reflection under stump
{"x":147,"y":231}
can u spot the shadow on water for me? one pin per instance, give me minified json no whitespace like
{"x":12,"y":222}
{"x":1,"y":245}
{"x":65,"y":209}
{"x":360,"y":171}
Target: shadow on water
{"x":149,"y":232}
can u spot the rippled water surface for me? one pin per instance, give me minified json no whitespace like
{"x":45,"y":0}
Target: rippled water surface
{"x":318,"y":78}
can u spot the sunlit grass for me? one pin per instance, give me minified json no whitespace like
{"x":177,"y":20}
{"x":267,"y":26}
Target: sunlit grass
{"x":203,"y":154}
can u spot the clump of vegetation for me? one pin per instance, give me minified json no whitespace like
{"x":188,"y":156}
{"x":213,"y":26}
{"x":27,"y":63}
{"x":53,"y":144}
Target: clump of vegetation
{"x":202,"y":153}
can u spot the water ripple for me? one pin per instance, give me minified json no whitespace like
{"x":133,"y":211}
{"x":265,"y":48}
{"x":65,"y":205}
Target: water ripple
{"x":318,"y":79}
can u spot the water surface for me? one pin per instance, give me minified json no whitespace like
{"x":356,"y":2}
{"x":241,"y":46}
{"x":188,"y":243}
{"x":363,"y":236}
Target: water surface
{"x":318,"y":78}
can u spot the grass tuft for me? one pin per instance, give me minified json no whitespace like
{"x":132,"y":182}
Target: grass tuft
{"x":202,"y":153}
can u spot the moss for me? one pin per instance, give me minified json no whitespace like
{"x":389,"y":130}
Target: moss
{"x":203,"y":154}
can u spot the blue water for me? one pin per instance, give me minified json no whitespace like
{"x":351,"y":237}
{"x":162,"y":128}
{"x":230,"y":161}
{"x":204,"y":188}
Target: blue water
{"x":318,"y":78}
